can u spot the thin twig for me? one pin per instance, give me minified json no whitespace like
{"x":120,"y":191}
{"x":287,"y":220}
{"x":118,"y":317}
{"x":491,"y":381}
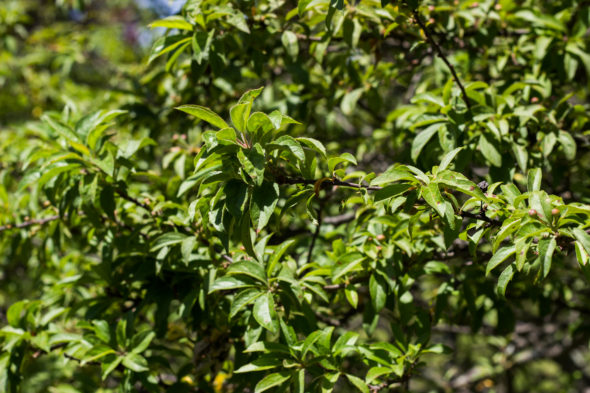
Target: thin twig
{"x":123,"y":194}
{"x":481,"y":217}
{"x":438,"y":50}
{"x":340,"y":219}
{"x":40,"y":221}
{"x":308,"y":37}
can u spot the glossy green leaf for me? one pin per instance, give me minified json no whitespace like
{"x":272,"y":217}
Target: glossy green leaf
{"x":422,"y":139}
{"x":206,"y":114}
{"x":135,"y":362}
{"x":499,"y":256}
{"x":272,"y":380}
{"x":358,"y":383}
{"x":534,"y":179}
{"x":504,"y":279}
{"x":264,"y":312}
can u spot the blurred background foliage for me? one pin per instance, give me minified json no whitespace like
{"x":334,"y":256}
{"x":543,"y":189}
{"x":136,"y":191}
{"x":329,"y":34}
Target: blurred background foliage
{"x":362,"y":80}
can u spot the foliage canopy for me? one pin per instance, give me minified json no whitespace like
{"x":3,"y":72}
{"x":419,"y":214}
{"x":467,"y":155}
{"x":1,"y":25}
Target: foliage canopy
{"x":286,"y":196}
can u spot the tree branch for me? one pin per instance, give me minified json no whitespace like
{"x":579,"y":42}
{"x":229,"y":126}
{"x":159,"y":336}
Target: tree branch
{"x":440,"y":53}
{"x":123,"y":194}
{"x":40,"y":221}
{"x":481,"y":217}
{"x":340,"y":219}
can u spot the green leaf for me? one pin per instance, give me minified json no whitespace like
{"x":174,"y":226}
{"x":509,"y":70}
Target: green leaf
{"x":167,"y":44}
{"x":376,"y":372}
{"x":135,"y":362}
{"x":246,"y":235}
{"x":262,"y":363}
{"x":422,"y":139}
{"x":279,"y":120}
{"x":264,"y":311}
{"x":107,"y":201}
{"x":239,"y":114}
{"x":109,"y":367}
{"x":568,"y":144}
{"x":278,"y":253}
{"x":93,"y":127}
{"x":259,"y":121}
{"x":522,"y":246}
{"x":582,"y":237}
{"x":186,"y":248}
{"x":499,"y":256}
{"x":102,"y":330}
{"x":313,"y":144}
{"x":243,"y":299}
{"x":205,"y":114}
{"x":448,"y":158}
{"x":506,"y":230}
{"x":299,"y":381}
{"x":226,"y":136}
{"x":236,"y":197}
{"x":291,"y":144}
{"x":504,"y":279}
{"x":121,"y":333}
{"x":460,"y":183}
{"x":289,"y":40}
{"x":489,"y":150}
{"x":97,"y":352}
{"x":201,"y":44}
{"x":392,"y":175}
{"x":582,"y":255}
{"x":583,"y":258}
{"x":253,"y":162}
{"x":141,"y":341}
{"x":346,"y":264}
{"x":229,"y":282}
{"x":378,"y":292}
{"x":348,"y":104}
{"x":61,"y":129}
{"x":268,"y":347}
{"x":344,"y":343}
{"x":13,"y":315}
{"x":53,"y":173}
{"x":537,"y":201}
{"x":309,"y":342}
{"x":534,"y":179}
{"x":302,"y":6}
{"x":352,"y":296}
{"x":248,"y":268}
{"x":391,"y":191}
{"x":522,"y":156}
{"x":547,"y":255}
{"x":358,"y":383}
{"x":272,"y":380}
{"x":249,"y":96}
{"x":263,"y":203}
{"x":344,"y":157}
{"x":172,"y":22}
{"x":167,"y":239}
{"x":433,"y":197}
{"x":130,"y":147}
